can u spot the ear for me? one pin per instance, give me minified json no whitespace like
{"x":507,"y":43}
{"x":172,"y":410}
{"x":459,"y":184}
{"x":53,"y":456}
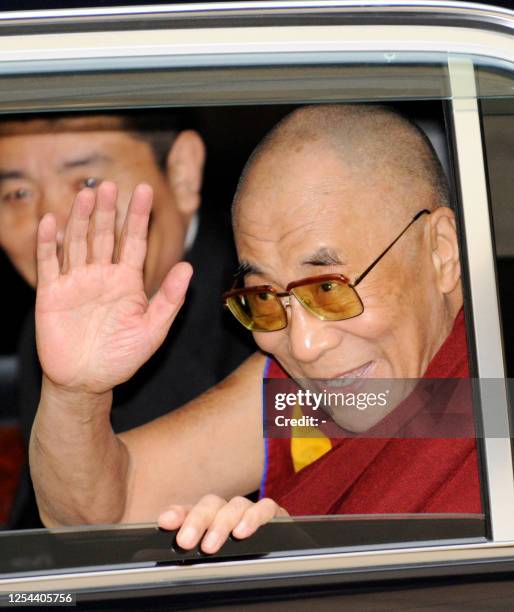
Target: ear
{"x":445,"y":249}
{"x":185,"y":164}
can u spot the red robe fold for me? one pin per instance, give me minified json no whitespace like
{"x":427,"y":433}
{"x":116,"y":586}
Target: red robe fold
{"x":377,"y":475}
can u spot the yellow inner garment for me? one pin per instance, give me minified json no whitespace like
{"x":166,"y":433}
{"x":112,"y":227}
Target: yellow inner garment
{"x":307,"y":450}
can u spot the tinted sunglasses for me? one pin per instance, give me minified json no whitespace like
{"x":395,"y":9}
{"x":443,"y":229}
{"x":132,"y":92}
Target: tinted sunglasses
{"x":329,"y":297}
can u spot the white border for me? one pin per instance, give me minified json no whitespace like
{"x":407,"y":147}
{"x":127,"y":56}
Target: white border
{"x":227,"y":41}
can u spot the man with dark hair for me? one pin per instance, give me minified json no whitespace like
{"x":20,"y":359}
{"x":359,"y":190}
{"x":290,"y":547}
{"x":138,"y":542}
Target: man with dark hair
{"x":351,"y":271}
{"x":44,"y":162}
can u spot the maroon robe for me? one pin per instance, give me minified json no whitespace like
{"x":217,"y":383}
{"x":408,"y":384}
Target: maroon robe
{"x":380,"y":475}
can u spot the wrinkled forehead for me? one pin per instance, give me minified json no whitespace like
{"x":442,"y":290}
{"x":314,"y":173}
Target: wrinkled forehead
{"x":40,"y":147}
{"x":312,"y":188}
{"x":292,"y":209}
{"x":283,"y":238}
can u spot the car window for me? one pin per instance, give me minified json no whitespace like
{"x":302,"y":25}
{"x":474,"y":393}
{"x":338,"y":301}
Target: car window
{"x":356,"y":473}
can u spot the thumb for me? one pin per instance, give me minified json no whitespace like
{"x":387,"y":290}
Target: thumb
{"x":166,"y":303}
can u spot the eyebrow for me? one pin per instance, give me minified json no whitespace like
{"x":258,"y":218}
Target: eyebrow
{"x":245,"y":267}
{"x":95,"y":158}
{"x":6,"y":175}
{"x":323,"y":257}
{"x":88,"y":160}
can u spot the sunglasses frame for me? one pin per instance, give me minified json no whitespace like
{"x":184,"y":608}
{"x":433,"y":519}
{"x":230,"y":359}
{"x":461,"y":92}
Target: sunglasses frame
{"x":312,"y":279}
{"x":309,"y":280}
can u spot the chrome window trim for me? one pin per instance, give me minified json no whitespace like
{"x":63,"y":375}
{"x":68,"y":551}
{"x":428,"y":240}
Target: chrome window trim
{"x":481,"y":12}
{"x":175,"y":577}
{"x":106,"y":48}
{"x":484,"y":302}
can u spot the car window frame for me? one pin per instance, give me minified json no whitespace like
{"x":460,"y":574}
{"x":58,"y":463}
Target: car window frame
{"x":497,"y":452}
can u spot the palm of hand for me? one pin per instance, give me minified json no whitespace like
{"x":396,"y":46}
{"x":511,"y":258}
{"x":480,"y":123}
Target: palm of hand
{"x":92,"y":331}
{"x":94,"y":324}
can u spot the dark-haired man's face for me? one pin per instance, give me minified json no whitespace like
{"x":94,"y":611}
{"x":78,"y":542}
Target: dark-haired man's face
{"x":301,"y":214}
{"x":41,"y":171}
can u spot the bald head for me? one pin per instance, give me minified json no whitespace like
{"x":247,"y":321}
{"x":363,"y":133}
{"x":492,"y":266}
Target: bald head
{"x":326,"y":192}
{"x":376,"y":146}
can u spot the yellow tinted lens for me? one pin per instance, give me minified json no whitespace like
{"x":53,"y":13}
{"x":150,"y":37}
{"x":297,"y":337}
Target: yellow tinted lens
{"x":331,"y":300}
{"x":258,"y":311}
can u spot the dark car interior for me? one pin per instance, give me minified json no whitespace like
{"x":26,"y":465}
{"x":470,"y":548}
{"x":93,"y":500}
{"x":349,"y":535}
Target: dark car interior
{"x":230,"y":134}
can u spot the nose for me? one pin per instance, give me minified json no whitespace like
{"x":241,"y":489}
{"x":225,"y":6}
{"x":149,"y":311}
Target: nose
{"x":57,"y":201}
{"x":309,"y":337}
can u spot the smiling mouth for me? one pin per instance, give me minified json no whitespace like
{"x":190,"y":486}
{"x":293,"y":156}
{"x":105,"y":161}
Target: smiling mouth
{"x":351,"y":380}
{"x":359,"y":372}
{"x":350,"y":377}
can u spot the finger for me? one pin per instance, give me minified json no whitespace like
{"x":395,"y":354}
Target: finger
{"x":198,"y":520}
{"x":75,"y":235}
{"x":132,"y":249}
{"x":258,"y":514}
{"x":224,"y":521}
{"x":166,"y":303}
{"x":102,"y":228}
{"x":47,"y":262}
{"x":173,"y":517}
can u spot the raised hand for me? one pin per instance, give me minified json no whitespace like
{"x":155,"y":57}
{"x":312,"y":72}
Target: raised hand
{"x":94,"y":323}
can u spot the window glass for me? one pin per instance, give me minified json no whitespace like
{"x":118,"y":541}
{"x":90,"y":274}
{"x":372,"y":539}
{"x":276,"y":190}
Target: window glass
{"x":498,"y":129}
{"x":181,"y":81}
{"x":385,"y":238}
